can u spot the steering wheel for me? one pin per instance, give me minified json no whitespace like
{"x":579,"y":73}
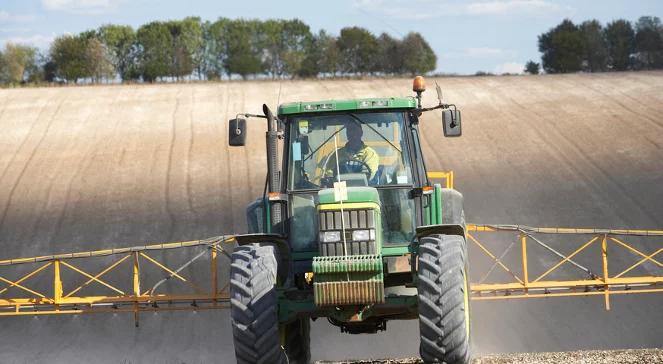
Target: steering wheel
{"x":356,"y":166}
{"x":350,"y":166}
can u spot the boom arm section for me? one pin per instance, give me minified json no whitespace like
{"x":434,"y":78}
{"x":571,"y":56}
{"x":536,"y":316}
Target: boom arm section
{"x":633,"y":268}
{"x":134,"y":279}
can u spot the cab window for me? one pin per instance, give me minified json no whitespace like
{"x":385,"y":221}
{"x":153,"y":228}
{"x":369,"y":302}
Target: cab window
{"x":363,"y":149}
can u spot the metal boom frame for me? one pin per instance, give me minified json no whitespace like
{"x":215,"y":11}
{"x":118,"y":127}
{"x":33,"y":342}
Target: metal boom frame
{"x":136,"y":298}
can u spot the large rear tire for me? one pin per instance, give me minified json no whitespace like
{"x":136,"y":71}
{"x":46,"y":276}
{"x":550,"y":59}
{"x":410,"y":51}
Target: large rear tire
{"x":298,"y":341}
{"x":443,"y":295}
{"x":253,"y":305}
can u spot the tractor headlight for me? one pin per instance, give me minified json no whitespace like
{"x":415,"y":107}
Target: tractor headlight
{"x":363,"y":235}
{"x":330,"y":236}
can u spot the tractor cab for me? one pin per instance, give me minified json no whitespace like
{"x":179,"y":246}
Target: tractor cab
{"x":369,"y":150}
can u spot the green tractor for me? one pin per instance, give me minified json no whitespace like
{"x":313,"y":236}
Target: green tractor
{"x":349,"y":228}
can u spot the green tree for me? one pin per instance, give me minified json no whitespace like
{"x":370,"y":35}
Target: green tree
{"x":271,"y":41}
{"x":241,"y":51}
{"x":391,"y":57}
{"x":98,"y":61}
{"x":418,"y":56}
{"x":203,"y":58}
{"x":187,"y":38}
{"x":358,"y":48}
{"x":621,"y":44}
{"x":562,"y":48}
{"x":595,"y":46}
{"x":216,"y":52}
{"x":649,"y":42}
{"x":155,"y":50}
{"x":285,"y":43}
{"x":17,"y":63}
{"x":330,"y":52}
{"x":322,"y":56}
{"x":532,"y":68}
{"x":297,"y":39}
{"x":310,"y":66}
{"x":50,"y":70}
{"x":68,"y":54}
{"x":120,"y":41}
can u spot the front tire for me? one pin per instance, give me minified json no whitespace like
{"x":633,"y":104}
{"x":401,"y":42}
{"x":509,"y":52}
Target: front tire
{"x":253,"y":305}
{"x":443,"y":296}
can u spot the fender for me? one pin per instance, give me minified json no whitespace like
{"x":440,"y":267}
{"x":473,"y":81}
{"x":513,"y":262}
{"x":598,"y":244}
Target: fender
{"x":280,"y":242}
{"x":452,"y":207}
{"x":442,"y":229}
{"x":451,"y":219}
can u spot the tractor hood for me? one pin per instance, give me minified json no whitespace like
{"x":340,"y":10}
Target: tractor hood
{"x":355,"y":195}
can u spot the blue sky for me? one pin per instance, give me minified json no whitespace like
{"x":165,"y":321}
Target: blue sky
{"x":489,"y":35}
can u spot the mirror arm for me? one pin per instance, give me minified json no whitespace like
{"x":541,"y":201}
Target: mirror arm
{"x":251,"y":116}
{"x":248,"y":116}
{"x":440,"y":106}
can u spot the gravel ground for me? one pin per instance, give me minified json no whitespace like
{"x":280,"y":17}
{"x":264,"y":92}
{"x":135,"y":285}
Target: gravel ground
{"x":570,"y":357}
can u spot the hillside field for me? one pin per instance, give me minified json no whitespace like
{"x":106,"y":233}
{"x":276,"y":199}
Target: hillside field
{"x":83,"y":168}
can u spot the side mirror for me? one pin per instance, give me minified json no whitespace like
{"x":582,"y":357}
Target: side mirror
{"x":237,"y":132}
{"x":451,"y":123}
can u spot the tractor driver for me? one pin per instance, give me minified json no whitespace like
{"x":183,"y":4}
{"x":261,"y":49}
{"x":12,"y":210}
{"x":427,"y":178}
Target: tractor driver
{"x":354,"y":157}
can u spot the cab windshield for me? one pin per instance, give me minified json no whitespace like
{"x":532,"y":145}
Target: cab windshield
{"x":363,"y":149}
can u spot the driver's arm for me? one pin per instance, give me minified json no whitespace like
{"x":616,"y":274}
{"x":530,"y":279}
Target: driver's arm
{"x":372,"y":160}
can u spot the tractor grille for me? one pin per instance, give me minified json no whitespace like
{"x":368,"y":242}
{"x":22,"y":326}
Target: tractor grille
{"x":357,"y":222}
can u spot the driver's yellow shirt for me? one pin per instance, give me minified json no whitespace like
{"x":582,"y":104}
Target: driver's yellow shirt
{"x":365,"y":154}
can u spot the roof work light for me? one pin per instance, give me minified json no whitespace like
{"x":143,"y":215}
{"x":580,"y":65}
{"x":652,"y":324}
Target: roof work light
{"x":419,"y":86}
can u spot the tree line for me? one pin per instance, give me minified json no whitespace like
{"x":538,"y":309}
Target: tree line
{"x":202,"y":50}
{"x":591,"y":47}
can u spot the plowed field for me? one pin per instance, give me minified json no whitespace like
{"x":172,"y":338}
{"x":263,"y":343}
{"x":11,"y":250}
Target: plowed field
{"x":108,"y":166}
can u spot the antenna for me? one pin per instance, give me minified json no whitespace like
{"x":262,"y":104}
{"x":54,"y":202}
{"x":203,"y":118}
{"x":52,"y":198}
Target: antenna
{"x":439,"y":92}
{"x":278,"y":100}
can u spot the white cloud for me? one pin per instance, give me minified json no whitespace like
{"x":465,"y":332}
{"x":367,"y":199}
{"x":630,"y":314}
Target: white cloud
{"x":6,"y":17}
{"x":35,"y":40}
{"x":82,"y":6}
{"x":410,"y":9}
{"x":497,"y":7}
{"x":510,"y":67}
{"x":429,"y":9}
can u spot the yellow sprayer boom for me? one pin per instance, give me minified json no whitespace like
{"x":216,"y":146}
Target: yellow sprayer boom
{"x":537,"y":268}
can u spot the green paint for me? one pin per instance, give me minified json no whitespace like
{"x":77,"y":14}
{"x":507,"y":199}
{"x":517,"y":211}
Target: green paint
{"x":369,"y":268}
{"x":268,"y":216}
{"x":304,"y":255}
{"x":347,"y":105}
{"x":349,"y":264}
{"x":355,"y":194}
{"x":333,"y":275}
{"x":396,"y":250}
{"x":436,"y":205}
